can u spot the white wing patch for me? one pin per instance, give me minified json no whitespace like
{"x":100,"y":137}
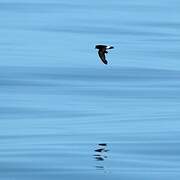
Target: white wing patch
{"x":108,"y":47}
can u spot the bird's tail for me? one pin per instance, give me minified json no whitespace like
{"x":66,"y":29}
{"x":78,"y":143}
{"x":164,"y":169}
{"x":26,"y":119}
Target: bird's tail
{"x":109,"y":47}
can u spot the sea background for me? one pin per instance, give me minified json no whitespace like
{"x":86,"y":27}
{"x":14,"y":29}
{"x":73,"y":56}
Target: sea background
{"x":58,"y":101}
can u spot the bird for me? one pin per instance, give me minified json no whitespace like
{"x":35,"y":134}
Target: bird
{"x":102,"y":51}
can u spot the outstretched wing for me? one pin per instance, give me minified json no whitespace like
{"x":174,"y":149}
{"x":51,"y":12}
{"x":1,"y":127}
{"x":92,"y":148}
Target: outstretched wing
{"x":102,"y":56}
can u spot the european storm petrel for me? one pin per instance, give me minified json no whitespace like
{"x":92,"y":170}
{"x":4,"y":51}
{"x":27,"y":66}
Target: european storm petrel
{"x":102,"y":51}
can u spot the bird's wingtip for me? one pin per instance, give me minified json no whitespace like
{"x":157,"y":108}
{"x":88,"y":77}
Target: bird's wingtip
{"x":105,"y":62}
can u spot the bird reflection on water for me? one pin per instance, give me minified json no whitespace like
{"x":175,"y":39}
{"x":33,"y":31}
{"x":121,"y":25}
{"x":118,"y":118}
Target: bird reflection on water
{"x":101,"y":155}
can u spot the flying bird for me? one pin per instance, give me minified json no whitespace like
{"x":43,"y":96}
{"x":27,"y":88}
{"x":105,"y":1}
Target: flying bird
{"x":102,"y":51}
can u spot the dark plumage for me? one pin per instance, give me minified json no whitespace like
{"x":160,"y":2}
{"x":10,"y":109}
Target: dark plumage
{"x":102,"y":51}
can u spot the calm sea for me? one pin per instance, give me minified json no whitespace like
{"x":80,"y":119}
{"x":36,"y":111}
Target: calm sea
{"x":64,"y":115}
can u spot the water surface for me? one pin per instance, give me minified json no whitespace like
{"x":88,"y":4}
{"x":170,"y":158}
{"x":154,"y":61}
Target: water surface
{"x":59,"y":103}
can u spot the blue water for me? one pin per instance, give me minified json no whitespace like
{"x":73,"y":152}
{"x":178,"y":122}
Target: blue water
{"x":58,"y":102}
